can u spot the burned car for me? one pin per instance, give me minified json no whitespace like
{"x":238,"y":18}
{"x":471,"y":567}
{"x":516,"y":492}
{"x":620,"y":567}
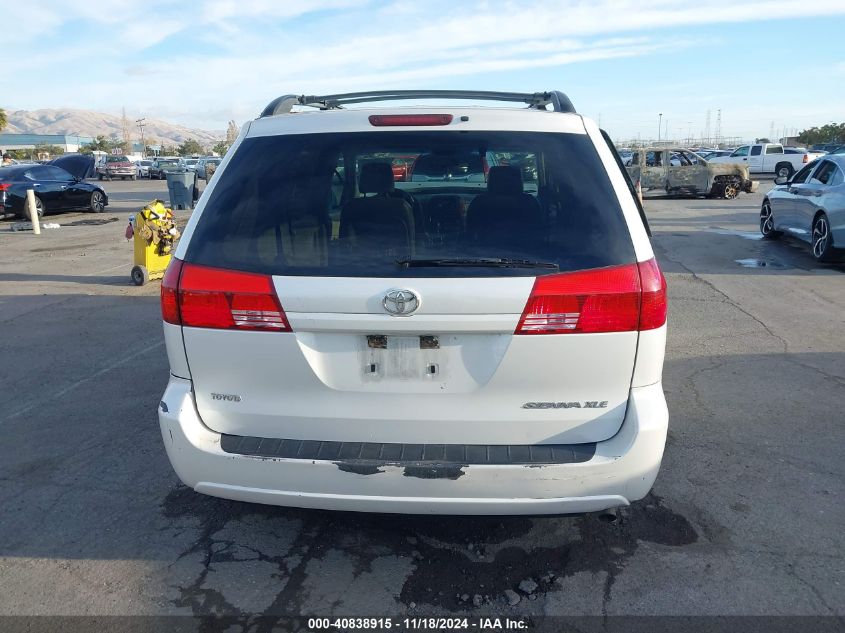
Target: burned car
{"x":677,"y":171}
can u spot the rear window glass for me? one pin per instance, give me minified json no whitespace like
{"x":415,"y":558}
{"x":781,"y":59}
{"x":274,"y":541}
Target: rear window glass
{"x":117,"y":159}
{"x":413,"y":204}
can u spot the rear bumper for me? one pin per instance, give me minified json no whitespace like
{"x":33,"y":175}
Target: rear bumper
{"x":622,"y":470}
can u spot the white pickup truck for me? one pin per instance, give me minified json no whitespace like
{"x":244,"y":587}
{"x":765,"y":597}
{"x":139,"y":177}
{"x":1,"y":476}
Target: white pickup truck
{"x":768,"y":158}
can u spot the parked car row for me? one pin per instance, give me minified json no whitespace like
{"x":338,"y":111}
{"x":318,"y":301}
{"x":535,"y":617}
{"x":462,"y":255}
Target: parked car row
{"x":769,"y":158}
{"x":205,"y":166}
{"x":115,"y":166}
{"x":162,"y":165}
{"x":59,"y":186}
{"x":678,"y":171}
{"x":810,"y":205}
{"x":157,"y":168}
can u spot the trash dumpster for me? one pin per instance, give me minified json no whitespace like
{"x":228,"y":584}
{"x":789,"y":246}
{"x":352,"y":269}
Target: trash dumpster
{"x":153,"y":232}
{"x":180,"y":188}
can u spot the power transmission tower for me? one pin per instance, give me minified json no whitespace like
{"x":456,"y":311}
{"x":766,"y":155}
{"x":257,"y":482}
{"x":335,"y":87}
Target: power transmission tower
{"x":718,"y":133}
{"x":141,"y":123}
{"x":772,"y":132}
{"x":127,"y":146}
{"x":707,"y":127}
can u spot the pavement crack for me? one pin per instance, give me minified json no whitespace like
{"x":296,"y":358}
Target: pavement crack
{"x":790,"y":571}
{"x":730,"y":301}
{"x":288,"y":601}
{"x":840,"y":380}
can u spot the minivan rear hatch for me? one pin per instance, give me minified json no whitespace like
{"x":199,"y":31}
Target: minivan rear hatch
{"x":323,"y":299}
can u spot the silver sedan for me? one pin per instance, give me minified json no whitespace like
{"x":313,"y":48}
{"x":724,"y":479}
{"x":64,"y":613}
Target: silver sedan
{"x":810,"y":206}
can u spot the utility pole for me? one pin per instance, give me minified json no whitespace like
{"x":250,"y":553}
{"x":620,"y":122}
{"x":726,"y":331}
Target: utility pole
{"x":659,"y":125}
{"x":141,"y":123}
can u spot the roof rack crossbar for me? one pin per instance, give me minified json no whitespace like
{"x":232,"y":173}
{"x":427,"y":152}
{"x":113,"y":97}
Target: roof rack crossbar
{"x":283,"y":105}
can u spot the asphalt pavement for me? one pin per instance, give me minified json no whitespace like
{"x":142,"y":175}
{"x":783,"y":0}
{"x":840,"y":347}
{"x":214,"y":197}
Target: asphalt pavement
{"x":745,"y":518}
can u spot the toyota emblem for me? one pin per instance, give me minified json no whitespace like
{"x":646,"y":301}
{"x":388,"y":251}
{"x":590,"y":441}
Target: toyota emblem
{"x":400,"y":302}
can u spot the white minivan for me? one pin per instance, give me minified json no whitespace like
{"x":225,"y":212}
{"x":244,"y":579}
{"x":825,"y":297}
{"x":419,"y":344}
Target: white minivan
{"x":486,"y":339}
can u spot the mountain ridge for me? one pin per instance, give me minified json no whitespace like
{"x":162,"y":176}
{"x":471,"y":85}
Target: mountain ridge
{"x":72,"y":122}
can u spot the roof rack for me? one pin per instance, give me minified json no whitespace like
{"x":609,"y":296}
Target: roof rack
{"x":282,"y":105}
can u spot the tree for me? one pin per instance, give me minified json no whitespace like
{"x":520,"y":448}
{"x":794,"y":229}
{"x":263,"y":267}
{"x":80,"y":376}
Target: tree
{"x":3,"y":119}
{"x":232,"y":132}
{"x":99,"y":144}
{"x":830,"y":133}
{"x":48,"y":150}
{"x":190,"y":147}
{"x":220,"y":148}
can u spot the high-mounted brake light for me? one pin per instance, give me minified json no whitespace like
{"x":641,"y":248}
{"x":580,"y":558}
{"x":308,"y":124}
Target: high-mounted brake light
{"x":613,"y":299}
{"x":201,"y":296}
{"x":386,"y":120}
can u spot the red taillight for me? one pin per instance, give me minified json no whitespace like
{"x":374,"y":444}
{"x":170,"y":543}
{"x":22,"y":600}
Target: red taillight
{"x":614,"y":299}
{"x":382,"y":120}
{"x":4,"y":186}
{"x":654,"y":305}
{"x":806,"y":158}
{"x":200,"y":296}
{"x":169,"y":292}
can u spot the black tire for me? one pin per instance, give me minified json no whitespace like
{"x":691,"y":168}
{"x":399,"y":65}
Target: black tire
{"x":39,"y":207}
{"x":99,"y":176}
{"x":139,"y":275}
{"x":98,"y":202}
{"x":822,"y":239}
{"x":728,"y":190}
{"x":784,"y":170}
{"x":767,"y":222}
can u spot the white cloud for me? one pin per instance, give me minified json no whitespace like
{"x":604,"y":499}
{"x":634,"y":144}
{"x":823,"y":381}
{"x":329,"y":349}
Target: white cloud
{"x":231,"y":56}
{"x":239,"y":10}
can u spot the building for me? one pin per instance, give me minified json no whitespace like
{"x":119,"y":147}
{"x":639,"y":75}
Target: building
{"x":68,"y":142}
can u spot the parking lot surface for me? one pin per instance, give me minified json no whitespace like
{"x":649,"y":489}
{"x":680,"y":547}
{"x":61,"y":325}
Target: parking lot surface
{"x":745,"y":518}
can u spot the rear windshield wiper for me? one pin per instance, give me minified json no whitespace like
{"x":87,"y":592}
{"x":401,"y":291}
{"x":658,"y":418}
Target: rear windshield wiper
{"x":492,"y":262}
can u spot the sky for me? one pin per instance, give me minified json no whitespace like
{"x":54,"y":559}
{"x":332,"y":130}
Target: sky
{"x":766,"y":64}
